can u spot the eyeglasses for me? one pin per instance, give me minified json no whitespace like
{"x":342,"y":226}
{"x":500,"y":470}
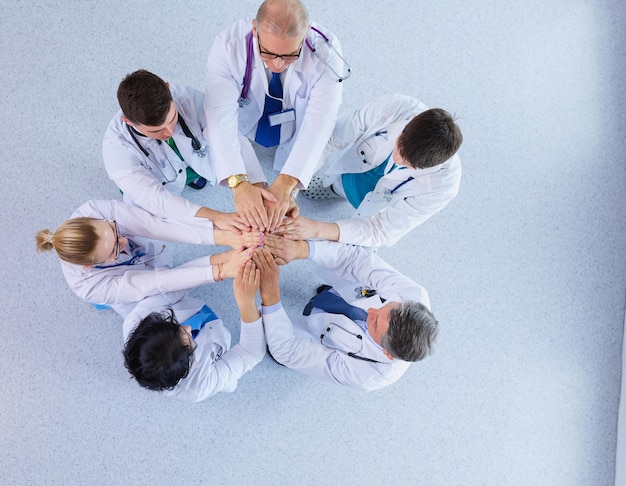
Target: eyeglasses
{"x":270,"y":56}
{"x":117,"y":243}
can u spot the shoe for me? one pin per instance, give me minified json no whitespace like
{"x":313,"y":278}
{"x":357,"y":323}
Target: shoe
{"x":309,"y":307}
{"x":101,"y":307}
{"x":198,"y":184}
{"x":316,"y":190}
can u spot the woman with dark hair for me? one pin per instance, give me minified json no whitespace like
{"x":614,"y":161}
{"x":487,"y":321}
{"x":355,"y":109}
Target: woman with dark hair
{"x":176,"y":344}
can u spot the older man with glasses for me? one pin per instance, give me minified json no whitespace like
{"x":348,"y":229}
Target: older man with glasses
{"x":277,"y":82}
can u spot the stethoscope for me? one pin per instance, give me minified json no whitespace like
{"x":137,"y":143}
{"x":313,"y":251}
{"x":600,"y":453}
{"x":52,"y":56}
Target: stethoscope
{"x":388,"y":194}
{"x":136,"y":253}
{"x":243,"y":97}
{"x":351,"y":354}
{"x":199,"y":149}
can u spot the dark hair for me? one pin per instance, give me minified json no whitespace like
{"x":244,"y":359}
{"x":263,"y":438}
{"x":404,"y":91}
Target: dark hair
{"x":144,"y":98}
{"x":155,"y":354}
{"x":412,"y":331}
{"x":429,"y":139}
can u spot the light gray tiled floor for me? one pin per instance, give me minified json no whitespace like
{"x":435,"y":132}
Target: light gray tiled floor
{"x":526,"y":268}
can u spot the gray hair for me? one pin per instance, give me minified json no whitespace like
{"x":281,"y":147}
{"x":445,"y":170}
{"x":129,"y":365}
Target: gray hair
{"x":283,"y":18}
{"x":412,"y":331}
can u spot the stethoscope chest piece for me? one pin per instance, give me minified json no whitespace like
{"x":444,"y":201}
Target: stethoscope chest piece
{"x":200,"y":152}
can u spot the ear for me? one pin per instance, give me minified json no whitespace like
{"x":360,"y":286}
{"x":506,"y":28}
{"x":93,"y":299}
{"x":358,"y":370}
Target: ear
{"x":167,"y":83}
{"x":386,"y":353}
{"x":253,"y":28}
{"x":87,"y":267}
{"x":126,"y":120}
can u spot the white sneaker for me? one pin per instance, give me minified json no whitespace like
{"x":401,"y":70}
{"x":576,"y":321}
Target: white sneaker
{"x":316,"y":190}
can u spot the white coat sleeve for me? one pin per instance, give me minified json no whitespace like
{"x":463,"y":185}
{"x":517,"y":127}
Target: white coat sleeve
{"x":111,"y":287}
{"x":373,"y":116}
{"x":313,"y":359}
{"x":221,"y":109}
{"x":350,"y":262}
{"x":317,"y":126}
{"x":223,"y":374}
{"x":137,"y":183}
{"x":135,"y":221}
{"x":386,"y":227}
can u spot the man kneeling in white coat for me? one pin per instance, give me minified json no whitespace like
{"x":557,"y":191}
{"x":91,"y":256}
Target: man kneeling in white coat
{"x":394,"y":161}
{"x":175,"y":344}
{"x":396,"y":326}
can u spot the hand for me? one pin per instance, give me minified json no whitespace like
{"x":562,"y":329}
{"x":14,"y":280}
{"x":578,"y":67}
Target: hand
{"x":285,"y":202}
{"x":248,"y":239}
{"x":270,"y":273}
{"x":285,"y":250}
{"x":276,"y":211}
{"x":249,"y":202}
{"x":299,"y":228}
{"x":230,"y":222}
{"x":302,"y":228}
{"x":245,"y":286}
{"x":223,"y":257}
{"x":237,"y":260}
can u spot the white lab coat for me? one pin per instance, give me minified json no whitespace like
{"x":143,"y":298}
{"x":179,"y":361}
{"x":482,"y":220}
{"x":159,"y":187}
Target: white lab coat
{"x":345,"y":267}
{"x":216,"y":367}
{"x":122,"y":286}
{"x":361,"y":141}
{"x":141,"y":178}
{"x":308,"y":87}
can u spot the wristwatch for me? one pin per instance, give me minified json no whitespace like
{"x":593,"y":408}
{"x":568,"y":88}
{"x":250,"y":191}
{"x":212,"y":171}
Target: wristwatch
{"x":234,"y":180}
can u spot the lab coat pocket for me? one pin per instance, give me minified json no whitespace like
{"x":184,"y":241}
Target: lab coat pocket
{"x":288,"y":129}
{"x":342,"y":337}
{"x":365,"y":151}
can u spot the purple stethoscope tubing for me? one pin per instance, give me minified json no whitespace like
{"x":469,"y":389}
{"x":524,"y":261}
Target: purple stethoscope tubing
{"x":243,"y":97}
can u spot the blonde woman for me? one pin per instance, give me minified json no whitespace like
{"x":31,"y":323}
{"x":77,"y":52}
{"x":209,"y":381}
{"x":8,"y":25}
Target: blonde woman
{"x":109,"y":255}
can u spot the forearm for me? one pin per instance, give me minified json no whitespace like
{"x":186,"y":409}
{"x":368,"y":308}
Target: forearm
{"x":226,"y":238}
{"x":326,"y":231}
{"x":148,"y":193}
{"x":249,"y":312}
{"x":302,"y":250}
{"x":231,"y":366}
{"x":317,"y":126}
{"x":387,"y":227}
{"x":141,"y":223}
{"x":135,"y":285}
{"x":270,"y":296}
{"x":283,"y":185}
{"x":208,"y":213}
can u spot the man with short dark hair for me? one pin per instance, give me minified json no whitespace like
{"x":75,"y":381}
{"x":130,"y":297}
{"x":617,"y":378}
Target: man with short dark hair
{"x":177,"y":345}
{"x":394,"y":161}
{"x":363,"y":332}
{"x":275,"y":80}
{"x":153,"y":147}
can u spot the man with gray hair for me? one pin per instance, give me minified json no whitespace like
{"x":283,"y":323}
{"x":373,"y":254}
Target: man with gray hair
{"x":363,"y":332}
{"x":276,"y":81}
